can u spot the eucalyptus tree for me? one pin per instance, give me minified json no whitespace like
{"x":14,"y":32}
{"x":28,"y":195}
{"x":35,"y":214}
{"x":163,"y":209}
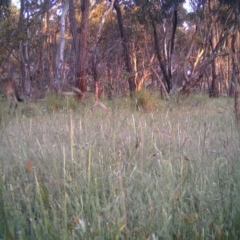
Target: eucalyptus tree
{"x":163,"y":19}
{"x":8,"y":24}
{"x":214,"y":89}
{"x":44,"y":71}
{"x":26,"y":42}
{"x":75,"y":38}
{"x":24,"y":20}
{"x":132,"y":62}
{"x":220,"y":19}
{"x":33,"y":44}
{"x":94,"y":50}
{"x":126,"y":49}
{"x":235,"y":49}
{"x":236,"y":59}
{"x":207,"y":46}
{"x":59,"y":75}
{"x":86,"y":42}
{"x":80,"y":34}
{"x":83,"y":48}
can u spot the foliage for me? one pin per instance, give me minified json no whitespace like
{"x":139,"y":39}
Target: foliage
{"x":168,"y":174}
{"x":145,"y":100}
{"x":29,"y":43}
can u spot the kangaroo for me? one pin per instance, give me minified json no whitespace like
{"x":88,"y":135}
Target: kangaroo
{"x":8,"y":88}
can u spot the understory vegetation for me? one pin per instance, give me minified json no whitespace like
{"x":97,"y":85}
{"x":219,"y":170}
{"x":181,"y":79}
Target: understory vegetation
{"x":72,"y":171}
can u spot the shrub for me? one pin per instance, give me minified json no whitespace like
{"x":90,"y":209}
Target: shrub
{"x":145,"y":100}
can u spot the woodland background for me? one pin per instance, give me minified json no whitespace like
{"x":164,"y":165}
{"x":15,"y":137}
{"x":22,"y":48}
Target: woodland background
{"x":120,"y":47}
{"x":137,"y":167}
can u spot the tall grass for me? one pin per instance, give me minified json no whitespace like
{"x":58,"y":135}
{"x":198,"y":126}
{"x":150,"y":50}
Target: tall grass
{"x":121,"y":174}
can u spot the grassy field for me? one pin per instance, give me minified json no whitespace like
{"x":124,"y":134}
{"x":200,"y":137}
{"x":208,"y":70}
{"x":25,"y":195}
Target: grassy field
{"x":121,"y":173}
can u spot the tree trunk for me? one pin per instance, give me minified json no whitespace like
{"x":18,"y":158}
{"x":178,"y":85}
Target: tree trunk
{"x":165,"y":59}
{"x":81,"y":73}
{"x":236,"y":63}
{"x":110,"y":87}
{"x":171,"y":47}
{"x":25,"y":68}
{"x":229,"y":69}
{"x":73,"y":28}
{"x":214,"y":90}
{"x":126,"y":51}
{"x":206,"y":60}
{"x":60,"y":52}
{"x":162,"y":66}
{"x":94,"y":51}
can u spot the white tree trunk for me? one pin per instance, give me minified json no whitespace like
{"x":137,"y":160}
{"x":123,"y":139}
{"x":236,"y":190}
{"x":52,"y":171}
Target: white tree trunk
{"x":59,"y":74}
